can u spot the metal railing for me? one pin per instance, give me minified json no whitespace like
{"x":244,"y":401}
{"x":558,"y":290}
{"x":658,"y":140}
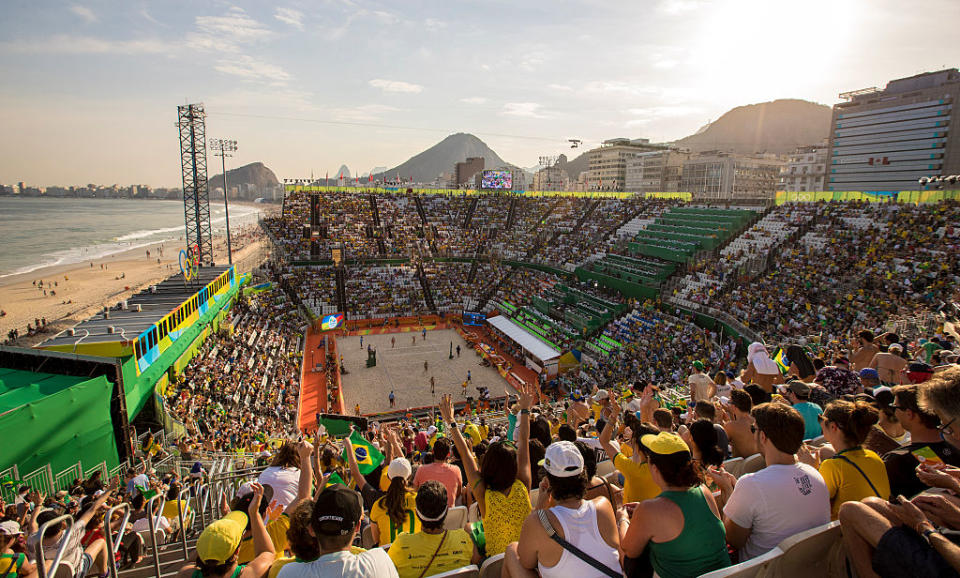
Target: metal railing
{"x":152,"y":520}
{"x":41,"y":479}
{"x":42,"y":571}
{"x":108,"y":534}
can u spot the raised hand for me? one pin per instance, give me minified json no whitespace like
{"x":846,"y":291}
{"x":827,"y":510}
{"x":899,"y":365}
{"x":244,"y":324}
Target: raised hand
{"x":446,"y":408}
{"x":254,"y":509}
{"x":527,"y":396}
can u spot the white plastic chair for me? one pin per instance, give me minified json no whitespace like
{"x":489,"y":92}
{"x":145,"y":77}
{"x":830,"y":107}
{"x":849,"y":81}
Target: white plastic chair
{"x":456,"y":518}
{"x":734,"y":466}
{"x":752,"y":464}
{"x":753,"y":567}
{"x":815,"y":552}
{"x":605,"y":467}
{"x":471,"y":571}
{"x":492,"y":566}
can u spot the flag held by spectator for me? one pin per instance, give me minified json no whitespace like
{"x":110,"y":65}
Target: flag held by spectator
{"x":368,"y":456}
{"x":782,"y":361}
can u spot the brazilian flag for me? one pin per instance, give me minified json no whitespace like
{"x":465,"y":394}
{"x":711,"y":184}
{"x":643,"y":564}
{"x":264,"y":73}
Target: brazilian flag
{"x":368,"y":456}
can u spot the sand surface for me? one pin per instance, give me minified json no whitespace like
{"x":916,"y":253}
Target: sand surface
{"x":400,"y":368}
{"x":81,"y":289}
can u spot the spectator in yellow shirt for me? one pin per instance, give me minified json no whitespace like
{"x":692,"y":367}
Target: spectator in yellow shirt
{"x":853,"y":473}
{"x":433,"y":550}
{"x":638,"y":484}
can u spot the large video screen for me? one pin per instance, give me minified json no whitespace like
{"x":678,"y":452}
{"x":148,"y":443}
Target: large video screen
{"x":496,"y":180}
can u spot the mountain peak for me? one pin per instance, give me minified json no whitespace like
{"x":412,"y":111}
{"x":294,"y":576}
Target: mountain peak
{"x":778,"y":126}
{"x":441,"y":158}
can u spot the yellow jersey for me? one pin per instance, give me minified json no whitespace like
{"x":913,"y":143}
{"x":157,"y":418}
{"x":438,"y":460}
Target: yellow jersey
{"x":638,"y":484}
{"x":389,"y":530}
{"x":846,"y":484}
{"x":412,"y":552}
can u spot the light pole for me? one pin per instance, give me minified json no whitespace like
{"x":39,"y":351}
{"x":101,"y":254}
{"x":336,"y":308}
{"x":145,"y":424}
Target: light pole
{"x":222,"y":148}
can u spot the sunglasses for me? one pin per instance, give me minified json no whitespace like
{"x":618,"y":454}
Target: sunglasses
{"x":945,"y":429}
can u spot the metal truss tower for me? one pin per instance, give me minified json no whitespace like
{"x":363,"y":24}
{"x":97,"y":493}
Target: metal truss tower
{"x":193,"y":163}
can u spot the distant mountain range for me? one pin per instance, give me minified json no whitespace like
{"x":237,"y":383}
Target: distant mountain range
{"x":252,"y":181}
{"x":779,"y":126}
{"x":441,"y":157}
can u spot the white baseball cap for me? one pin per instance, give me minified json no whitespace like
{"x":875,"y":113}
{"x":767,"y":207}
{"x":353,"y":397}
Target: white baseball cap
{"x":562,"y":459}
{"x":601,"y":394}
{"x":399,"y":467}
{"x":431,"y":430}
{"x":10,"y":528}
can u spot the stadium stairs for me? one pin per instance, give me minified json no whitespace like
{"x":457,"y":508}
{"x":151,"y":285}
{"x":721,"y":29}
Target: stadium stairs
{"x":341,"y":275}
{"x":425,"y":285}
{"x":471,"y":209}
{"x":512,"y":213}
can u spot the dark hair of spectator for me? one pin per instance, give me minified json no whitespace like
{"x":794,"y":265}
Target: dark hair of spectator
{"x":589,"y":459}
{"x":782,"y":425}
{"x":441,"y":449}
{"x":741,"y":400}
{"x":567,"y":433}
{"x":853,"y":419}
{"x":707,"y":440}
{"x":287,"y":457}
{"x":432,"y":502}
{"x":303,"y":543}
{"x":498,"y":468}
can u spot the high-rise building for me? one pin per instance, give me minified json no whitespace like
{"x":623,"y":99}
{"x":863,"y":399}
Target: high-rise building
{"x":463,"y":172}
{"x":886,"y":140}
{"x":552,"y":178}
{"x":607,"y":164}
{"x":655,"y":171}
{"x":805,"y":169}
{"x":721,"y":175}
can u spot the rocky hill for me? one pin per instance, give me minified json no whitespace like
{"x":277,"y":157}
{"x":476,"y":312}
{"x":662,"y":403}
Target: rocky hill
{"x":253,"y":180}
{"x":779,"y":126}
{"x":441,"y":157}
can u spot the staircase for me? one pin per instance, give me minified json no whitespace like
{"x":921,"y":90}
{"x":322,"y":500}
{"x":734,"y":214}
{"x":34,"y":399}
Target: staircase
{"x":374,"y":210}
{"x":420,"y":211}
{"x":492,"y":290}
{"x":470,"y":211}
{"x":171,"y":559}
{"x":427,"y":293}
{"x":513,"y":212}
{"x":341,"y":275}
{"x":473,"y":271}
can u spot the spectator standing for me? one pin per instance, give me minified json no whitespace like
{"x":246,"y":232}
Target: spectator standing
{"x":441,"y":471}
{"x":702,"y":388}
{"x":890,"y":364}
{"x":501,"y":483}
{"x":866,"y":349}
{"x":739,"y":427}
{"x":394,"y":512}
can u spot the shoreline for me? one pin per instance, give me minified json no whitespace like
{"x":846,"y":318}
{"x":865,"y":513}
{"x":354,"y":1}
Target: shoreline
{"x":83,"y":288}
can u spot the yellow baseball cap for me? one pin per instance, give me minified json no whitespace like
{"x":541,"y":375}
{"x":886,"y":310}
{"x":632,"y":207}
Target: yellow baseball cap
{"x":220,"y":540}
{"x":664,"y":443}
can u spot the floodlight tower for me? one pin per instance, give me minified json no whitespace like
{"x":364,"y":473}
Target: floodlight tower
{"x":222,"y":148}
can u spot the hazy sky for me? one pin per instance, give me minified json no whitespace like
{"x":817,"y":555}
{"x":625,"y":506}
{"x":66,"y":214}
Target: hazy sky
{"x":89,"y":89}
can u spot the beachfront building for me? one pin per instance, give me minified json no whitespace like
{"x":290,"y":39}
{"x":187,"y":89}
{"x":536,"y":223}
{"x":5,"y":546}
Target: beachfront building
{"x":552,"y":178}
{"x":805,"y":170}
{"x":886,"y":140}
{"x":607,"y":164}
{"x":656,"y":171}
{"x":464,"y":172}
{"x":722,"y":175}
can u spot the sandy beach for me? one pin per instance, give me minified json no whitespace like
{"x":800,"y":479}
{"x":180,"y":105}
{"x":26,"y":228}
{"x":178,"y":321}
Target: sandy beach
{"x":73,"y":292}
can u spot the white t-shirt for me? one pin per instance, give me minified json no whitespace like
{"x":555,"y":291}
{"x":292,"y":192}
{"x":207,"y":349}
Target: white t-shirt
{"x":776,"y":503}
{"x":699,"y":385}
{"x":635,"y":405}
{"x":284,"y":481}
{"x":373,"y":562}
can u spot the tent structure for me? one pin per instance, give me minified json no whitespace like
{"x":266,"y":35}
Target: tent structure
{"x":543,"y":356}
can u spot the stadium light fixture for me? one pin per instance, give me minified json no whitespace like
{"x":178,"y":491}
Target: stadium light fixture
{"x":222,"y":148}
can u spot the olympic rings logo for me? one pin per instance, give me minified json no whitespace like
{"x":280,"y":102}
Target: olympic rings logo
{"x":190,"y":262}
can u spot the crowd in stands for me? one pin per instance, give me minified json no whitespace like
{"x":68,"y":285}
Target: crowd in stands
{"x":860,"y":264}
{"x":242,"y":385}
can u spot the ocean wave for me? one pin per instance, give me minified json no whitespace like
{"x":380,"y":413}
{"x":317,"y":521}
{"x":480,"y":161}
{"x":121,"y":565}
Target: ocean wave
{"x":240,"y":216}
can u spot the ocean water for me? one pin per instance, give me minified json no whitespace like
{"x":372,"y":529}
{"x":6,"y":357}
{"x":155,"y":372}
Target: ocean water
{"x":37,"y":233}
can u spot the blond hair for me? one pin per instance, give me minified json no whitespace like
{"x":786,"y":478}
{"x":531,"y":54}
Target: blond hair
{"x":942,"y":393}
